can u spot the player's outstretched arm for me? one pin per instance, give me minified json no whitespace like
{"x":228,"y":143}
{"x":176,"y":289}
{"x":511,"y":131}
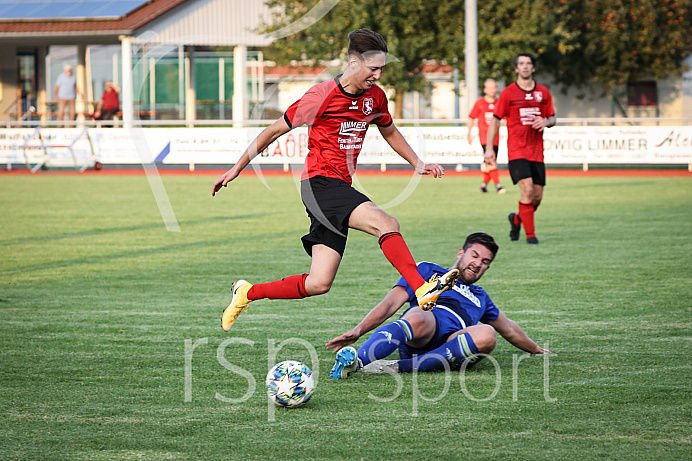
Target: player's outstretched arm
{"x":261,"y":142}
{"x":396,"y":140}
{"x":376,"y":317}
{"x":513,"y":333}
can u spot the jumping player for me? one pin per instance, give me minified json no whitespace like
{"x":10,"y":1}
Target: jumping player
{"x":528,"y":108}
{"x":338,"y":113}
{"x":446,"y":337}
{"x":483,"y":111}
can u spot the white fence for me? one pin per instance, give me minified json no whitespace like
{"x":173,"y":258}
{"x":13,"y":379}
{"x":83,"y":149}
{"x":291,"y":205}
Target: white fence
{"x":565,"y":144}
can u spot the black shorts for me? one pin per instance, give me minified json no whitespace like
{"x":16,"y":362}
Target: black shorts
{"x":329,"y":203}
{"x":495,"y":148}
{"x":521,"y":169}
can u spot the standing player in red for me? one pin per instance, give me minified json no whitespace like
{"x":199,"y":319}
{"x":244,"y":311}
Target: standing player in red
{"x":483,"y":111}
{"x":528,"y":108}
{"x":338,"y":113}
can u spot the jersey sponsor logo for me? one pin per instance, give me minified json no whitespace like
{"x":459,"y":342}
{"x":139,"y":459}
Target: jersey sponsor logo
{"x":466,"y":293}
{"x":538,"y":95}
{"x":354,"y":105}
{"x":368,"y":105}
{"x":352,"y":128}
{"x":528,"y":114}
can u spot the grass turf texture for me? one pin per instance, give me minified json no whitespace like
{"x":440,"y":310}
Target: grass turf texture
{"x":98,"y":302}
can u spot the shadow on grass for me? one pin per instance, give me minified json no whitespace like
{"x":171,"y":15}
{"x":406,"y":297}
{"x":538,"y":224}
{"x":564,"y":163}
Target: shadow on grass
{"x":136,"y":253}
{"x":114,"y":230}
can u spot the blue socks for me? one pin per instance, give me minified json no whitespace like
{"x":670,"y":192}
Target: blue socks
{"x":454,"y":351}
{"x":384,"y":341}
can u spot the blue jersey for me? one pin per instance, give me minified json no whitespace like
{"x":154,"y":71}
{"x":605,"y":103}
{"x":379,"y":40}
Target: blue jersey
{"x":470,"y":302}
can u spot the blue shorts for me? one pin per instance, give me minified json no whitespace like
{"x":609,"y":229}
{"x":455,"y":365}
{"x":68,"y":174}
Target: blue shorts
{"x":447,"y":322}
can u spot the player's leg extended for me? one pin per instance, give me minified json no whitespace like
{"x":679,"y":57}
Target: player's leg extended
{"x":486,"y":176}
{"x":461,"y":346}
{"x":368,"y":217}
{"x":537,"y":196}
{"x":526,"y":210}
{"x":494,"y":174}
{"x":418,"y":327}
{"x":325,"y":263}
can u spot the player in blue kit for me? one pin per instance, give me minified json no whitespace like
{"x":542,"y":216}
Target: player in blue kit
{"x":445,"y":337}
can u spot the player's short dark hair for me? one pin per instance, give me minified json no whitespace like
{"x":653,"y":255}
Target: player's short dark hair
{"x":484,"y":239}
{"x":361,"y":41}
{"x":525,"y":55}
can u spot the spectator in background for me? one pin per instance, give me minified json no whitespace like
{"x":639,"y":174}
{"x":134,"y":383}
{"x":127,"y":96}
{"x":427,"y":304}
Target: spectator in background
{"x":109,"y":104}
{"x":65,"y":93}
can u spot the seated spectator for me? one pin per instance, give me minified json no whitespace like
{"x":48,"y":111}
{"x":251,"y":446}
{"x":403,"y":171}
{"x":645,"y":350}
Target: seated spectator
{"x":109,"y":104}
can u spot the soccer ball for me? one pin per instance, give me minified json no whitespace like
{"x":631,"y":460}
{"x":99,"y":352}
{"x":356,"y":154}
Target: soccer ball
{"x":290,"y":384}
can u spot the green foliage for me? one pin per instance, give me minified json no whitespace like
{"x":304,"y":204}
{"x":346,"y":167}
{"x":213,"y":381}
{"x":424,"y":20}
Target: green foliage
{"x":584,"y":43}
{"x":415,"y":32}
{"x":97,"y":301}
{"x":508,"y":27}
{"x":624,"y":41}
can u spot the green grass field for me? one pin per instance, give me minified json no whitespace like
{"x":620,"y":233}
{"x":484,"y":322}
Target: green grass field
{"x":100,"y":305}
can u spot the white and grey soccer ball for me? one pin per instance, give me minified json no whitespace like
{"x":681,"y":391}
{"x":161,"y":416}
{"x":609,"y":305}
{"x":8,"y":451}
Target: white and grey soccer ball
{"x":290,"y":384}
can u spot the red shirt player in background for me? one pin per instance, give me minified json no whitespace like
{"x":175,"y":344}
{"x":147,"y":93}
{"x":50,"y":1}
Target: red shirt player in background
{"x":483,"y":111}
{"x":528,"y":108}
{"x":338,"y":113}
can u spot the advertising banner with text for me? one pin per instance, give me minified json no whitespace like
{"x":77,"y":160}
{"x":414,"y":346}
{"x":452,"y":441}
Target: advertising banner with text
{"x":446,"y":145}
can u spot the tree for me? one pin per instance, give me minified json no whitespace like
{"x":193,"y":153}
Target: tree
{"x":624,"y":41}
{"x":508,"y":27}
{"x":415,"y":31}
{"x":593,"y":44}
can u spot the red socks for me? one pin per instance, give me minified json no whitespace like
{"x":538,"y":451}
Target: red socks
{"x":394,"y":248}
{"x":292,"y":287}
{"x":526,"y":217}
{"x":396,"y":251}
{"x":495,"y":176}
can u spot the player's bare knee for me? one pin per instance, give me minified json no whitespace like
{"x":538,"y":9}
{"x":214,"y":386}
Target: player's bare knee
{"x":485,"y":338}
{"x":318,"y":287}
{"x":415,"y":319}
{"x":388,"y":224}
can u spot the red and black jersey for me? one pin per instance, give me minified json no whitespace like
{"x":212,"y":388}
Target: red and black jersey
{"x":483,"y":111}
{"x":520,"y":108}
{"x":337,"y":122}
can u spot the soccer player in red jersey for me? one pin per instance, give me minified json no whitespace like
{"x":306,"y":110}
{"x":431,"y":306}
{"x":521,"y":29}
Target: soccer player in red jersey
{"x":483,"y":111}
{"x":338,"y":113}
{"x":528,"y":108}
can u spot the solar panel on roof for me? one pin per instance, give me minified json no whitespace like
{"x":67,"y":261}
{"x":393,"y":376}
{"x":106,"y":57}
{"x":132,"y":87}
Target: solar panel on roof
{"x":61,"y":9}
